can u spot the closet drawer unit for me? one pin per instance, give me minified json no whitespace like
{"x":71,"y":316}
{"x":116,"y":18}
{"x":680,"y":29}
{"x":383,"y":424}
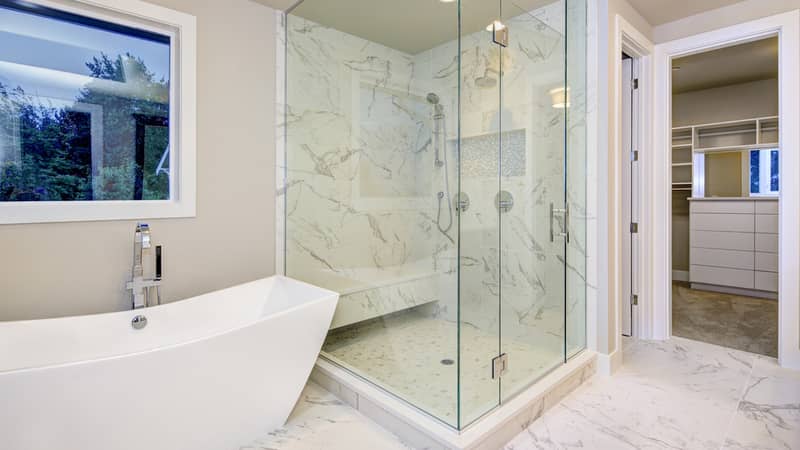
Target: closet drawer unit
{"x":733,"y":259}
{"x":722,"y":207}
{"x":767,"y":262}
{"x":766,"y":281}
{"x":741,"y":223}
{"x":766,"y":207}
{"x":766,"y":223}
{"x":722,"y":240}
{"x":722,"y":276}
{"x":766,"y":243}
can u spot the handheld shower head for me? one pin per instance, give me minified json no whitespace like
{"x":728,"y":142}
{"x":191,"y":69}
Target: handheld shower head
{"x":432,"y":98}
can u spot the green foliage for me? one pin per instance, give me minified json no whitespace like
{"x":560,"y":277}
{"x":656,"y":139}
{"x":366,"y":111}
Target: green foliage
{"x":55,"y":157}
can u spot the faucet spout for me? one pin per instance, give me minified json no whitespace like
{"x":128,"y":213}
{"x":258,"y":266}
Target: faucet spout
{"x":139,"y":286}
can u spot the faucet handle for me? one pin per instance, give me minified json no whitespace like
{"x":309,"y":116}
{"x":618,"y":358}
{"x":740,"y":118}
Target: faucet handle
{"x":144,"y":229}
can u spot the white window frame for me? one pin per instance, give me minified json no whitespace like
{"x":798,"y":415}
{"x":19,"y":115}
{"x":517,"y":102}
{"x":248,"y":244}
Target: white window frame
{"x":182,"y":30}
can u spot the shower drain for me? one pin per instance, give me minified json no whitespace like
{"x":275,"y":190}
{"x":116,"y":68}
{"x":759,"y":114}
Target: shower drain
{"x":447,"y":362}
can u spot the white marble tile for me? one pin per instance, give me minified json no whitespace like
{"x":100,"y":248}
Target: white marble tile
{"x":679,"y":394}
{"x":321,"y":421}
{"x":768,"y":416}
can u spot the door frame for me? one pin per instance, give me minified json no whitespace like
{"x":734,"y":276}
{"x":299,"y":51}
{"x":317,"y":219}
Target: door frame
{"x":636,"y":45}
{"x":787,"y":27}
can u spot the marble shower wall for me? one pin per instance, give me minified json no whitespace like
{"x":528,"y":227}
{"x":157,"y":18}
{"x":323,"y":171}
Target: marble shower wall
{"x":526,"y":262}
{"x":361,"y":183}
{"x":361,"y":187}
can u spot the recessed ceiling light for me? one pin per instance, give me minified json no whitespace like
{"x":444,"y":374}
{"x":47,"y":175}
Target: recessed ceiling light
{"x":447,"y":1}
{"x":495,"y":25}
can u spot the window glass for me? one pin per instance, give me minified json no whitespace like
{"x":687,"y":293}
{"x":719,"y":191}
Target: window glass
{"x":764,"y":172}
{"x":84,"y":108}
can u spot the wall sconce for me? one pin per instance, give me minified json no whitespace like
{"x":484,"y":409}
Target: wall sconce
{"x":560,"y":97}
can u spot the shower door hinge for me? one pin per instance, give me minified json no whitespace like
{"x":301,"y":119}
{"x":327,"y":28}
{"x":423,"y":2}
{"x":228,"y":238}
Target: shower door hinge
{"x":499,"y":366}
{"x":634,"y":299}
{"x":634,"y":227}
{"x":635,"y":155}
{"x":500,"y":35}
{"x":636,"y":83}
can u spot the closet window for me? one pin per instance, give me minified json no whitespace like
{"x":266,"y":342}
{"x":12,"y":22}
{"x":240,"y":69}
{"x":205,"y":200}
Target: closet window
{"x":764,"y":172}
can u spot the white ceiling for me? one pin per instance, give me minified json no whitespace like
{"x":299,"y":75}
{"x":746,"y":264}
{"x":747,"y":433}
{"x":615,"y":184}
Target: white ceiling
{"x":411,"y":26}
{"x":753,"y":61}
{"x":658,"y":12}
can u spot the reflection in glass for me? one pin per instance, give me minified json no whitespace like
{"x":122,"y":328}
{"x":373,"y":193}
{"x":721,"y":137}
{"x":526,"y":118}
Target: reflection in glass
{"x":84,"y":108}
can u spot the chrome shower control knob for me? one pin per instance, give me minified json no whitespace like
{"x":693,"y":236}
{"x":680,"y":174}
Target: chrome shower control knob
{"x":139,"y":322}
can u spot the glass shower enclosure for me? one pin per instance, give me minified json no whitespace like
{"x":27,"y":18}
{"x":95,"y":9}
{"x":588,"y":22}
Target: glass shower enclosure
{"x":436,"y":178}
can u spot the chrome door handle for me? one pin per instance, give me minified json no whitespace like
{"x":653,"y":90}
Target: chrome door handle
{"x":564,"y":224}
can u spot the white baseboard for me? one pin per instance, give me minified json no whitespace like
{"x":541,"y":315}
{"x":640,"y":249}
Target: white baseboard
{"x":680,"y":275}
{"x":608,"y":364}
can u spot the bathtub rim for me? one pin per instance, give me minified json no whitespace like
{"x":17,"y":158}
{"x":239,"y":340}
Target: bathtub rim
{"x":326,"y":295}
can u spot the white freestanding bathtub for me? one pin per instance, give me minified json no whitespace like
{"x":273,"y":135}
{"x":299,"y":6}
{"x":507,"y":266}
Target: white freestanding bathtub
{"x":212,"y":372}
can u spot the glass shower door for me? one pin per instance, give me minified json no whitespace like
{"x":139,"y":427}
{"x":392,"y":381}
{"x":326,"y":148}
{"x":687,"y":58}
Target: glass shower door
{"x":532,"y":200}
{"x":479,"y":221}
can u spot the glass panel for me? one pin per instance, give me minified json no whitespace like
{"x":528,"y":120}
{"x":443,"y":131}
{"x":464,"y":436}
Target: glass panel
{"x":576,"y":177}
{"x":479,"y":284}
{"x":84,"y":108}
{"x":534,"y":106}
{"x":372,"y":127}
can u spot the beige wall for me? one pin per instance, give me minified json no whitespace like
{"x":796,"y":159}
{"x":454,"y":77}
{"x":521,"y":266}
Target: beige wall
{"x":739,"y":101}
{"x":79,"y":268}
{"x":724,"y":172}
{"x":722,"y":17}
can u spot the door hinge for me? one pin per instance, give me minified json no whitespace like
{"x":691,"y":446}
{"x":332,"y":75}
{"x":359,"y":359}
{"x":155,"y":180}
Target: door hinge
{"x":499,"y":366}
{"x":500,"y":35}
{"x":634,"y":299}
{"x":634,"y":227}
{"x":635,"y":155}
{"x":636,"y":83}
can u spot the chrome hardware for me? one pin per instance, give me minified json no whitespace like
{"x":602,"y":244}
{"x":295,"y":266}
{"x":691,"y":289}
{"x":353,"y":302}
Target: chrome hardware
{"x":462,"y":202}
{"x":504,"y":201}
{"x":139,"y":322}
{"x":634,"y":300}
{"x":564,"y":223}
{"x":499,"y":366}
{"x":500,"y":34}
{"x":139,"y":286}
{"x":634,"y":227}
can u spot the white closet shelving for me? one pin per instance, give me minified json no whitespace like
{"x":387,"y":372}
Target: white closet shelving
{"x":735,"y":135}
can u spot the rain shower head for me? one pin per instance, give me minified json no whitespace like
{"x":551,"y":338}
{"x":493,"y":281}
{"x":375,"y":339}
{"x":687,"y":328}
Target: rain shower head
{"x":432,"y":98}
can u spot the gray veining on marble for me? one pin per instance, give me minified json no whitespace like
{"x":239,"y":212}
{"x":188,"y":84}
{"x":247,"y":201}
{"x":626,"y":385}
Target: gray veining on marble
{"x":679,"y":394}
{"x":362,"y":187}
{"x":320,"y":421}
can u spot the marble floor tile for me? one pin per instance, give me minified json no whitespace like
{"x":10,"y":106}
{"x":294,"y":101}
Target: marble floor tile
{"x":678,"y":394}
{"x":768,"y":416}
{"x":734,"y":321}
{"x":320,"y":421}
